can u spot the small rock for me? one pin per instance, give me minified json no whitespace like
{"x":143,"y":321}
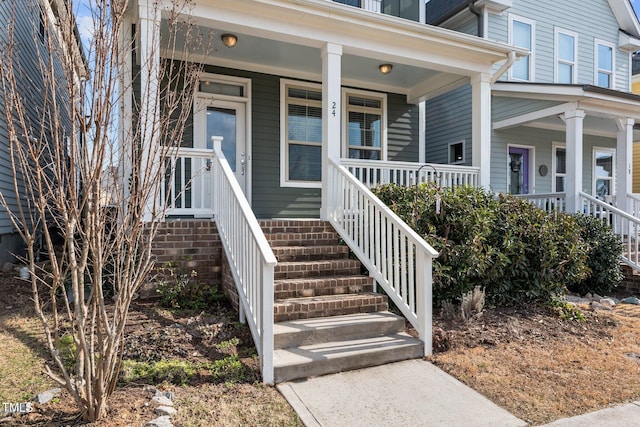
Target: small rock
{"x":165,"y":410}
{"x":168,"y":394}
{"x":576,"y":300}
{"x":597,"y":306}
{"x":597,"y":297}
{"x":8,"y":267}
{"x":608,"y":302}
{"x":588,"y":295}
{"x":163,"y":421}
{"x":630,"y":300}
{"x":46,"y":396}
{"x":161,"y":401}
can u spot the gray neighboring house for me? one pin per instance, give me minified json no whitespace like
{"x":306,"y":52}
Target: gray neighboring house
{"x":25,"y":24}
{"x":562,"y":118}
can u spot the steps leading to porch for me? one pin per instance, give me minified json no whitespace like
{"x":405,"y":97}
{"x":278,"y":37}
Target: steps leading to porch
{"x":328,"y":317}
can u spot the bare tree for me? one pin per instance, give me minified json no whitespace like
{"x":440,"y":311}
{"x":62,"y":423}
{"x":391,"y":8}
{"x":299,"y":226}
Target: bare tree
{"x":69,"y":152}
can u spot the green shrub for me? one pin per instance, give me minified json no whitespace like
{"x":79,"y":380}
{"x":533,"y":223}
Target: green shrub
{"x":178,"y":289}
{"x":177,"y":372}
{"x":507,"y":246}
{"x":604,"y":252}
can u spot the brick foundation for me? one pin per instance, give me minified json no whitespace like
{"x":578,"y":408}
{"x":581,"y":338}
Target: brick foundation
{"x":631,"y":280}
{"x":191,"y":244}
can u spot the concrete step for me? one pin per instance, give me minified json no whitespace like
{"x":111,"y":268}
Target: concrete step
{"x":310,"y":253}
{"x":312,"y":287}
{"x":320,"y":268}
{"x":337,"y":356}
{"x":319,"y":330}
{"x":328,"y":305}
{"x":302,"y":239}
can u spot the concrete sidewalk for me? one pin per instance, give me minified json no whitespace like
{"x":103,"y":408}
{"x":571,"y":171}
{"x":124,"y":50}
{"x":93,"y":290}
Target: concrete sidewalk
{"x":620,"y":416}
{"x":409,"y":393}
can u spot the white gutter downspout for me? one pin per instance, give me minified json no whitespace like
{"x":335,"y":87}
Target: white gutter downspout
{"x":511,"y":58}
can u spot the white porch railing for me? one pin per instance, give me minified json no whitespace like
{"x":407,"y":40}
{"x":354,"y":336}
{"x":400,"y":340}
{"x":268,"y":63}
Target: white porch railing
{"x":396,"y":256}
{"x":623,"y":224}
{"x":187,"y":183}
{"x":550,"y":202}
{"x":249,"y":256}
{"x":372,"y":5}
{"x":634,"y":204}
{"x":372,"y":173}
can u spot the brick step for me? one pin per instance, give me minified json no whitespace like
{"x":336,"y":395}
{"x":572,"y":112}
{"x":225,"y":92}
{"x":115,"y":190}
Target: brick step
{"x":325,"y":238}
{"x":311,"y":287}
{"x":337,"y":356}
{"x":310,"y":253}
{"x":295,"y":226}
{"x":321,"y":268}
{"x":328,"y":305}
{"x":319,"y":330}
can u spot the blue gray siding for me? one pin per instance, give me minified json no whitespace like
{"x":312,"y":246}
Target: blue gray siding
{"x":591,"y":19}
{"x":448,"y":120}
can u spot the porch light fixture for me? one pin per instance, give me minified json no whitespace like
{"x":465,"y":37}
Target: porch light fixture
{"x":385,"y":68}
{"x":229,"y":40}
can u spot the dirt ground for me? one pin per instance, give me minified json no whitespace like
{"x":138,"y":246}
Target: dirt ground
{"x":529,"y":361}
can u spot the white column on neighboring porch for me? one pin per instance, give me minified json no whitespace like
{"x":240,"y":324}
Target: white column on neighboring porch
{"x":149,"y":54}
{"x":574,"y":129}
{"x":624,"y":160}
{"x":331,"y":115}
{"x":481,"y":126}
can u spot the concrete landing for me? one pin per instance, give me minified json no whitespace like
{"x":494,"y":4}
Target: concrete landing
{"x":620,"y":416}
{"x":409,"y":393}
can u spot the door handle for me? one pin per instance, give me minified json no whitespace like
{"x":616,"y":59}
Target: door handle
{"x":243,"y":163}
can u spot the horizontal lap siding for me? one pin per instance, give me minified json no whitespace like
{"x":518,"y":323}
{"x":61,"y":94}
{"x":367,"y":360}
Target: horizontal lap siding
{"x":448,"y":120}
{"x":590,"y":19}
{"x":403,"y":129}
{"x":504,"y":107}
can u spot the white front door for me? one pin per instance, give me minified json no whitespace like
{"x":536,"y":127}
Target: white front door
{"x":225,"y":119}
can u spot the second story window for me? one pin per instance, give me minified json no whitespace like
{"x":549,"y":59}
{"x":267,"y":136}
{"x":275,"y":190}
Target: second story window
{"x":604,"y":64}
{"x":522,"y":34}
{"x":566,"y":45}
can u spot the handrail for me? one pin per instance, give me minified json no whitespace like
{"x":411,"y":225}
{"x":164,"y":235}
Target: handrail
{"x":187,"y":181}
{"x":396,"y":256}
{"x":378,"y":172}
{"x":623,"y":224}
{"x":249,"y":255}
{"x":550,"y":202}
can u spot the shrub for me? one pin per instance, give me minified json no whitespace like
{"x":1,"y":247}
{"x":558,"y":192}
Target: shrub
{"x":507,"y":246}
{"x":604,"y":250}
{"x":178,"y":289}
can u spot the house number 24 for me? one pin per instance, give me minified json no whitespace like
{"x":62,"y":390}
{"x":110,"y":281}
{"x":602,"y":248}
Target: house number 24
{"x":333,"y":108}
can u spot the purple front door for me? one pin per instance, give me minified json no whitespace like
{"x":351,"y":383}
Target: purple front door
{"x":518,"y":170}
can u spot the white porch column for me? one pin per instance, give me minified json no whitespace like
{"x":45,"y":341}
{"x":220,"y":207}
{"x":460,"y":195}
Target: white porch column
{"x":574,"y":121}
{"x":481,"y":126}
{"x":149,"y":51}
{"x":331,"y":115}
{"x":624,"y":161}
{"x":125,"y":144}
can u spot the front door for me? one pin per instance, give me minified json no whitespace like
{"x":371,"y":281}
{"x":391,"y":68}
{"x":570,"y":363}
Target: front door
{"x":225,"y":119}
{"x":518,"y":170}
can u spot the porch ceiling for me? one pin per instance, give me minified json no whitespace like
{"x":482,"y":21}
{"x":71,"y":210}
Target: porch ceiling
{"x":602,"y":107}
{"x":285,"y":37}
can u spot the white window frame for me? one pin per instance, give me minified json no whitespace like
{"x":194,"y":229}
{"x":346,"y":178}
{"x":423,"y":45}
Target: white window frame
{"x":532,"y":164}
{"x":597,"y":70}
{"x":284,"y":143}
{"x":346,"y":92}
{"x":554,"y":166}
{"x":532,"y":54}
{"x":558,"y":60}
{"x":458,"y":162}
{"x":594,"y":178}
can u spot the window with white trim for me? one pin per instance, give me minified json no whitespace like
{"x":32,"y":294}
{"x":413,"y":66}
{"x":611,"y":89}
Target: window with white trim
{"x":365,"y":125}
{"x":301,"y":132}
{"x":522,"y":34}
{"x":603,"y":172}
{"x":566,"y":56}
{"x":559,"y":168}
{"x":456,"y":153}
{"x":604,"y":63}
